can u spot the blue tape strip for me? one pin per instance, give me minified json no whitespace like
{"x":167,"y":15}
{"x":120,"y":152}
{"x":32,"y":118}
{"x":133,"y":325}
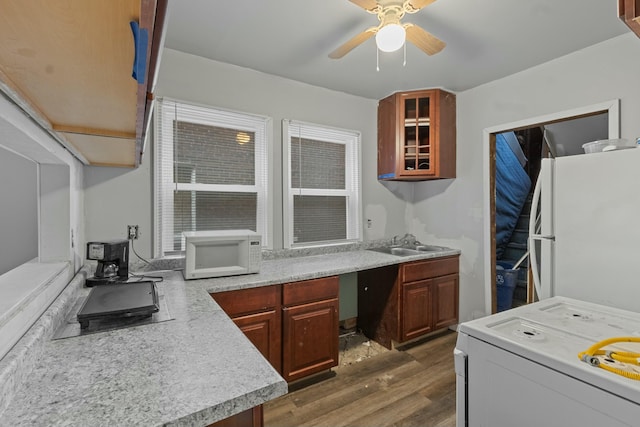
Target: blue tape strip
{"x":140,"y":42}
{"x":387,"y":175}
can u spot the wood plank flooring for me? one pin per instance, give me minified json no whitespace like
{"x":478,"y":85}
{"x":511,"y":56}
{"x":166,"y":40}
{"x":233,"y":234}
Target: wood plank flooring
{"x":413,"y":385}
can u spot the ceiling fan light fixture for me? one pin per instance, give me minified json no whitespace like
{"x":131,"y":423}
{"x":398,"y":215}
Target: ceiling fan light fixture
{"x":391,"y":37}
{"x":242,"y":138}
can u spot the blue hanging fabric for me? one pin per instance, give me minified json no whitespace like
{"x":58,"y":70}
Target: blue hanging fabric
{"x":140,"y":41}
{"x":512,"y":188}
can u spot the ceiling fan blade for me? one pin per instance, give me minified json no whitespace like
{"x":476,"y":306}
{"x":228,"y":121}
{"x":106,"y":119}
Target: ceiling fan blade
{"x":354,"y":42}
{"x":425,"y":41}
{"x":419,"y":4}
{"x":368,"y":5}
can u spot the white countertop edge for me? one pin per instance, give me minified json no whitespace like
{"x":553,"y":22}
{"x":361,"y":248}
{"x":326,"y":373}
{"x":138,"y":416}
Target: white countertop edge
{"x":17,"y":362}
{"x":233,"y":407}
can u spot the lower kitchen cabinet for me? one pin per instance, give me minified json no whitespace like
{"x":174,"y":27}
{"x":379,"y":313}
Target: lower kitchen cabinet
{"x":263,"y":330}
{"x":446,"y":297}
{"x":294,"y":325}
{"x":400,"y":303}
{"x":310,"y":327}
{"x":416,"y":316}
{"x":256,"y":311}
{"x":250,"y":418}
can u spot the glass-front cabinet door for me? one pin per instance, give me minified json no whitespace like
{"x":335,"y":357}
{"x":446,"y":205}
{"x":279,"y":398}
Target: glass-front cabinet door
{"x":416,"y":142}
{"x":417,"y":135}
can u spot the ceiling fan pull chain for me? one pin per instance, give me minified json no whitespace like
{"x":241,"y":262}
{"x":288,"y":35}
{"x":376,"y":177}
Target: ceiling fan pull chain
{"x":391,"y":34}
{"x":404,"y":62}
{"x":377,"y":59}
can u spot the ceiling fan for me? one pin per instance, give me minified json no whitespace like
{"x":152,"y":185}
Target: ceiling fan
{"x":390,"y":33}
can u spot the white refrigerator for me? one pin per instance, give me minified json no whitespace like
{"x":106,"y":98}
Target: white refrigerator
{"x":584,"y":237}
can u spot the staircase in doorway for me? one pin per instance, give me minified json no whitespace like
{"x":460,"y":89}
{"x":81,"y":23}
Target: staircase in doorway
{"x":515,"y":249}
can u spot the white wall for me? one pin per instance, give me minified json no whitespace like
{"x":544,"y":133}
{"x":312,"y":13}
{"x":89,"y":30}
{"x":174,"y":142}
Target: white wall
{"x":117,"y":197}
{"x":452,"y":212}
{"x":568,"y":137}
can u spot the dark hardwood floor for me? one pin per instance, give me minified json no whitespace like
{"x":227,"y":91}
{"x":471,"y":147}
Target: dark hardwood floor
{"x":413,"y":385}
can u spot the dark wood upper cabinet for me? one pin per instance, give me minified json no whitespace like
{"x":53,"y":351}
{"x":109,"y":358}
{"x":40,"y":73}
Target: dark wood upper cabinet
{"x":629,"y":12}
{"x":417,"y":136}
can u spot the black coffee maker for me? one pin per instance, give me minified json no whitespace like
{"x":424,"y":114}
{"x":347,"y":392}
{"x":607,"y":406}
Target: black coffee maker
{"x":113,"y":262}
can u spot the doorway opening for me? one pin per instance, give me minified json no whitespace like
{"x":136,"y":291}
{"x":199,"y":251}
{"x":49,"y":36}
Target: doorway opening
{"x":514,"y":154}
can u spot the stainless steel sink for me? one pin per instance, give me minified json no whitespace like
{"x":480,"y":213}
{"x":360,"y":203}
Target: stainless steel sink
{"x":399,"y":251}
{"x":429,"y":248}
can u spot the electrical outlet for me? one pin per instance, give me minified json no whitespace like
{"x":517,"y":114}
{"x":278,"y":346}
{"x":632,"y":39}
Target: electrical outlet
{"x":132,"y":231}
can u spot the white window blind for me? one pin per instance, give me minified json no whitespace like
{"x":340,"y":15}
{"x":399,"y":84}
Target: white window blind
{"x":211,"y":172}
{"x":321,"y":184}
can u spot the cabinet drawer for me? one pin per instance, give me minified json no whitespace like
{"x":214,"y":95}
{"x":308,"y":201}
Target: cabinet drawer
{"x":244,"y":301}
{"x":309,"y":291}
{"x":419,"y":270}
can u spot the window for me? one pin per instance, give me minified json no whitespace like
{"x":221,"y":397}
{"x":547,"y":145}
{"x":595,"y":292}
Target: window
{"x":321,"y":184}
{"x":41,"y":187}
{"x":211,"y":172}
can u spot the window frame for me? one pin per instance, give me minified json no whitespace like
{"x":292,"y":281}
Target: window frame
{"x":28,"y":289}
{"x":353,"y":187}
{"x":164,"y":184}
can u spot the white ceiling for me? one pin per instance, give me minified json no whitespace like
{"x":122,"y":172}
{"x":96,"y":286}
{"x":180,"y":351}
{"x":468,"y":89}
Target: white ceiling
{"x":486,"y":39}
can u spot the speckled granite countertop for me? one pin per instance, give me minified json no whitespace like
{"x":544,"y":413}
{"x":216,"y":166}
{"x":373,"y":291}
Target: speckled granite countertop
{"x":311,"y":267}
{"x":190,"y":371}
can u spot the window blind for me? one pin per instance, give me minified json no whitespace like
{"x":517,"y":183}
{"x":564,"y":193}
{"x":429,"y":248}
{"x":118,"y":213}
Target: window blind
{"x":211,"y":172}
{"x":321,"y":184}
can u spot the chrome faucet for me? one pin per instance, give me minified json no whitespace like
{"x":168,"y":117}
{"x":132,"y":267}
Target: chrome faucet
{"x":406,"y":240}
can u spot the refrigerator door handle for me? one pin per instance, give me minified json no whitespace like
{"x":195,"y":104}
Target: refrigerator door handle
{"x":542,"y":237}
{"x":533,"y":220}
{"x":533,"y":258}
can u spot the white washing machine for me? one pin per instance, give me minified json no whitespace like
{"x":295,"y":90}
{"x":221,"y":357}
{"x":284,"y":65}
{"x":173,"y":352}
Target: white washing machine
{"x":521,"y":368}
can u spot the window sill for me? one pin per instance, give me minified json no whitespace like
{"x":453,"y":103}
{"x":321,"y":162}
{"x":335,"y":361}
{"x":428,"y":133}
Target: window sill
{"x":25,"y":293}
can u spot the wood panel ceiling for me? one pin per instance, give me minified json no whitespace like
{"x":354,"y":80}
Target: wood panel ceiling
{"x":70,"y":64}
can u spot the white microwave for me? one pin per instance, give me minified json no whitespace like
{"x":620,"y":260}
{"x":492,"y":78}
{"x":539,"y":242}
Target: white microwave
{"x":218,"y":253}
